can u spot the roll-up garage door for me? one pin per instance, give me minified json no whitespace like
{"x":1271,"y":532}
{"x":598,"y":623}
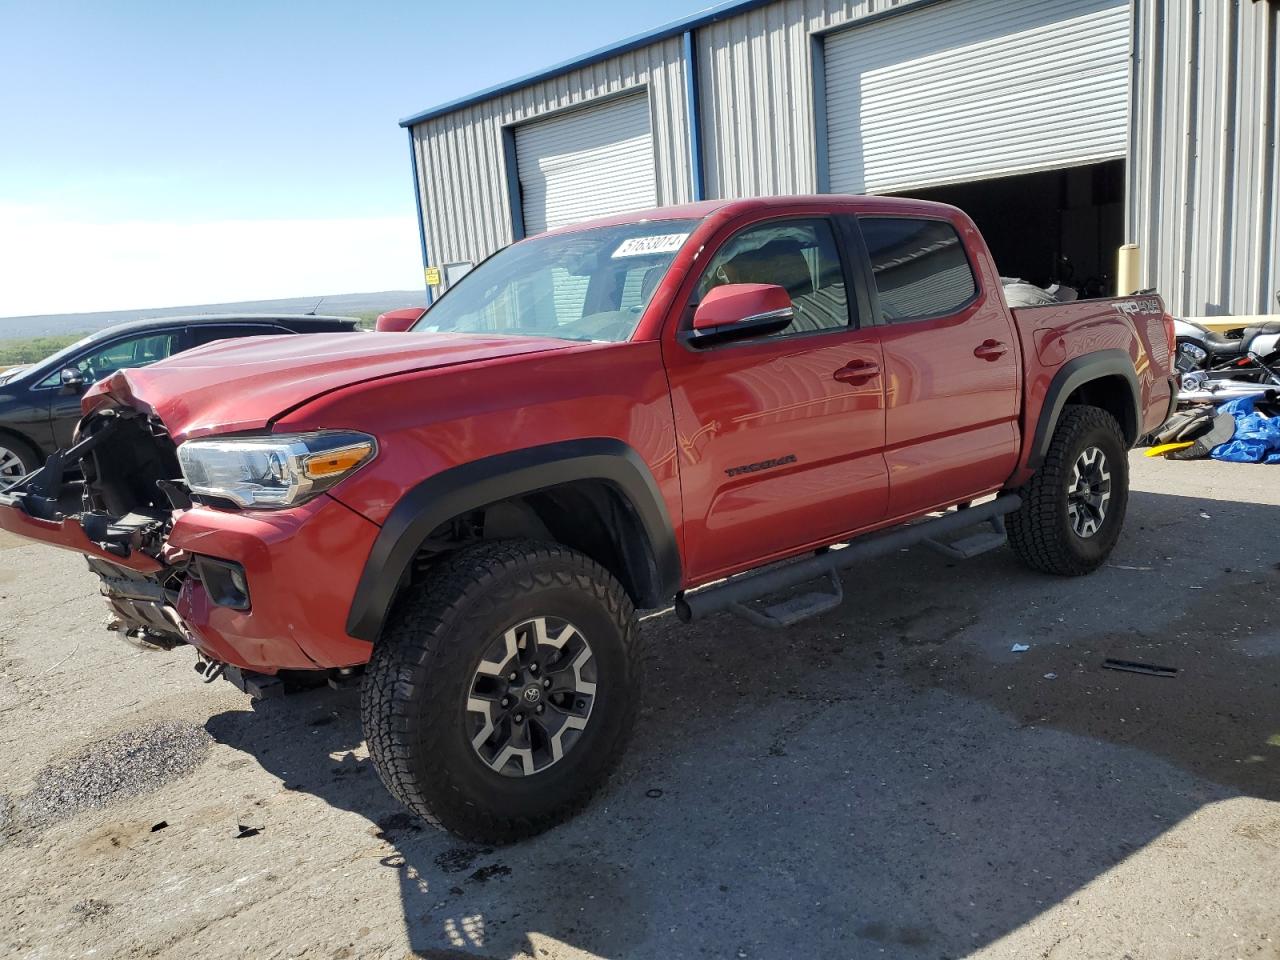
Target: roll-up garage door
{"x":586,"y":163}
{"x":970,"y":89}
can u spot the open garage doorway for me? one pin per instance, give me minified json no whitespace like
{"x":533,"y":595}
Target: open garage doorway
{"x":1056,"y":226}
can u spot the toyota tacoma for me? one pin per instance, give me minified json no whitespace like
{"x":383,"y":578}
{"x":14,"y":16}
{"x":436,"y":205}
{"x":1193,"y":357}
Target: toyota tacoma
{"x":686,"y":406}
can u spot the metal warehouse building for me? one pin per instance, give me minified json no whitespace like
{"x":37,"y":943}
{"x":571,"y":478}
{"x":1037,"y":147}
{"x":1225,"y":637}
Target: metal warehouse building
{"x":1066,"y":128}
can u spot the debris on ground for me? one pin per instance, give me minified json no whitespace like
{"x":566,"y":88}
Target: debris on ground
{"x":1133,"y":666}
{"x":110,"y":769}
{"x":157,"y":827}
{"x":1020,"y":648}
{"x":246,"y":831}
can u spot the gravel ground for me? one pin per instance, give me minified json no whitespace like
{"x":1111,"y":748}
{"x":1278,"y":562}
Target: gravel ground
{"x":889,"y":780}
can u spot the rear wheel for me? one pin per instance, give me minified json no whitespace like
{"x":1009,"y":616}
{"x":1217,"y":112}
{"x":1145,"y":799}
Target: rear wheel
{"x":1073,"y":507}
{"x":500,"y":697}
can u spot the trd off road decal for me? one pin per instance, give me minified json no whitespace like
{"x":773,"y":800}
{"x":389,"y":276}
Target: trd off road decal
{"x":1144,"y":305}
{"x":762,"y":465}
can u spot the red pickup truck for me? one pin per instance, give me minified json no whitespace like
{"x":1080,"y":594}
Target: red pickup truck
{"x":464,"y":515}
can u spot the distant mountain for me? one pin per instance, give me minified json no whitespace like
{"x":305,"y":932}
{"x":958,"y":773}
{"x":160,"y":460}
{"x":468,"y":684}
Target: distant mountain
{"x":341,"y":304}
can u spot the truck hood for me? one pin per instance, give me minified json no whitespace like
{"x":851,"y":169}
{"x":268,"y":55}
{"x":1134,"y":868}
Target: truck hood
{"x":244,"y":384}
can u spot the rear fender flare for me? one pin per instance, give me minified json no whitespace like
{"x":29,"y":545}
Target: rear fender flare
{"x":462,"y":489}
{"x":1075,"y":374}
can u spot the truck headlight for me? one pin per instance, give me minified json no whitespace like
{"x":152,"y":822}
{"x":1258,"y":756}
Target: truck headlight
{"x":278,"y":470}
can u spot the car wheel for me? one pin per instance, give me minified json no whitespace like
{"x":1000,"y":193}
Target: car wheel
{"x":1073,"y":507}
{"x":501,"y":695}
{"x":17,"y":459}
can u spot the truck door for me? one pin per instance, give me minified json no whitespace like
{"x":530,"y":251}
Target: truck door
{"x":951,"y":364}
{"x":779,"y":436}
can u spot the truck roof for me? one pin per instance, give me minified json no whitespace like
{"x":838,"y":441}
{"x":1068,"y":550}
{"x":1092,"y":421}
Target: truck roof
{"x":704,"y":208}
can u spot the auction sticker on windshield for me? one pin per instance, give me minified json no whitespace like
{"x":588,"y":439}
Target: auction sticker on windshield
{"x":643,"y":246}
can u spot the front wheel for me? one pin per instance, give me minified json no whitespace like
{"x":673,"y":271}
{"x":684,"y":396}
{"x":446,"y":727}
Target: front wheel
{"x":1073,"y":507}
{"x":17,"y":459}
{"x":502,"y":694}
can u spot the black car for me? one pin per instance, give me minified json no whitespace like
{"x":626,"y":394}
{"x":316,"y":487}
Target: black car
{"x":40,"y":404}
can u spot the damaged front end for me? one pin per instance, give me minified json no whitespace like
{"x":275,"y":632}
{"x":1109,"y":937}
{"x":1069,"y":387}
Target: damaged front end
{"x":258,"y":592}
{"x":112,"y":496}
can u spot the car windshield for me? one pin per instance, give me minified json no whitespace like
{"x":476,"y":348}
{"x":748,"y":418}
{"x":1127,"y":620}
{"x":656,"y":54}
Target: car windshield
{"x":56,"y":361}
{"x":588,"y":285}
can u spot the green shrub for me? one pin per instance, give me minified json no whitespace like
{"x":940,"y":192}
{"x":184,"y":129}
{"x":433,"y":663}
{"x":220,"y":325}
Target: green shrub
{"x":32,"y":349}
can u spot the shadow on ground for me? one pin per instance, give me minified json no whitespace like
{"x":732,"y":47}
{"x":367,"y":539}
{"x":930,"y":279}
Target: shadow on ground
{"x":886,"y":780}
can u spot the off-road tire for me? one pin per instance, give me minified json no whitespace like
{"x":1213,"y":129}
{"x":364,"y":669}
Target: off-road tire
{"x":413,"y":698}
{"x":1040,"y":531}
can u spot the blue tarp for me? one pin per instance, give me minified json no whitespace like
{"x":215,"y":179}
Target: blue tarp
{"x":1257,"y":438}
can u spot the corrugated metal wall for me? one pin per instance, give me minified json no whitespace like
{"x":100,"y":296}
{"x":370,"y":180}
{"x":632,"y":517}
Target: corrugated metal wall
{"x":956,"y":92}
{"x":758,"y":137}
{"x":1204,"y":173}
{"x":460,"y":156}
{"x":1204,"y":165}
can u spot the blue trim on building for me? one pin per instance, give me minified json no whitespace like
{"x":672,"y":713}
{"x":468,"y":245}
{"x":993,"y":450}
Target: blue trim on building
{"x":714,"y":14}
{"x":515,"y":202}
{"x":694,"y":100}
{"x":417,"y":205}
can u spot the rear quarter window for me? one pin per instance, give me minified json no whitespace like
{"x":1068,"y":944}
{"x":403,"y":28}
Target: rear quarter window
{"x":919,"y":266}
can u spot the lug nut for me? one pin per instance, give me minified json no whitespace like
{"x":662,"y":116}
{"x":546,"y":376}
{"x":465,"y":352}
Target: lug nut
{"x":539,"y":708}
{"x":533,"y":668}
{"x":506,"y":701}
{"x":546,"y":682}
{"x":511,"y":676}
{"x":519,"y":718}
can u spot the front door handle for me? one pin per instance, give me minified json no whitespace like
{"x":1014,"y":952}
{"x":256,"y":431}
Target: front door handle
{"x":859,"y":371}
{"x":991,"y":350}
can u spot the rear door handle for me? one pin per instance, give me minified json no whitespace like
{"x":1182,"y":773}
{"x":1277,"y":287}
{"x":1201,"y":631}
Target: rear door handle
{"x":990,"y":350}
{"x":859,"y":371}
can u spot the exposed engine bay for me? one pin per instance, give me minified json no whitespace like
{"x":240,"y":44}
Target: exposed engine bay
{"x":121,"y":482}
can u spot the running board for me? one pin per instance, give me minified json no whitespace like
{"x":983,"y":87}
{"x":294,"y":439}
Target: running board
{"x":734,"y":594}
{"x":791,"y":611}
{"x":966,"y":548}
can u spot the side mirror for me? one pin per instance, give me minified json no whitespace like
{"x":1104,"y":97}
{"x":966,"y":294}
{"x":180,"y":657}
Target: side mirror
{"x":72,"y":380}
{"x":736,"y":310}
{"x":395,"y":321}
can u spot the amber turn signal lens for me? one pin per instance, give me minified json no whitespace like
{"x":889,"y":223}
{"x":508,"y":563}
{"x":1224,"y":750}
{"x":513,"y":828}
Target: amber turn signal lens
{"x":334,"y":463}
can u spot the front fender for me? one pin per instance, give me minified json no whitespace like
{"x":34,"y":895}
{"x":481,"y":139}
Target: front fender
{"x":459,"y":490}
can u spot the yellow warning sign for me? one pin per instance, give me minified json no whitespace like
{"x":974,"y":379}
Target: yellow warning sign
{"x":433,"y":276}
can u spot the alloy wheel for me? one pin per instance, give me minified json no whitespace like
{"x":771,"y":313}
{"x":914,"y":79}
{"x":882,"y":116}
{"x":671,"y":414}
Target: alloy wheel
{"x":11,"y":468}
{"x":1088,"y":492}
{"x":531,"y":696}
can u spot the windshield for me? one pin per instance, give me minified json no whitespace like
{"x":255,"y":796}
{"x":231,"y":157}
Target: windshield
{"x":589,"y":285}
{"x":55,"y":362}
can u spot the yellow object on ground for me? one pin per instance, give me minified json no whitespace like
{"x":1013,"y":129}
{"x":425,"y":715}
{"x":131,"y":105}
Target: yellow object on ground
{"x":1164,"y":448}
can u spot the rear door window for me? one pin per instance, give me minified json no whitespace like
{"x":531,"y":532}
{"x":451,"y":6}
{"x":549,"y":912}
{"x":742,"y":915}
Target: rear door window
{"x":920,"y":267}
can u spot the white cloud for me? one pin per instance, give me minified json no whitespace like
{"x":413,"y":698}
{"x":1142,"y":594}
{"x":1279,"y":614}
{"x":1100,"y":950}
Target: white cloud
{"x":54,"y":265}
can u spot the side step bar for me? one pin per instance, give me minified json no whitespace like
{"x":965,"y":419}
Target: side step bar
{"x":735,"y":593}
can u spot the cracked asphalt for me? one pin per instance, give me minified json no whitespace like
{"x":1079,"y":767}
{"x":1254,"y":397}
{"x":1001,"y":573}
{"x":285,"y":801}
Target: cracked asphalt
{"x":889,"y":780}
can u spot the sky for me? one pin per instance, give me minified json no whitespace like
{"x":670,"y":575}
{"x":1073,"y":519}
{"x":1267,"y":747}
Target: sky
{"x":156,"y":154}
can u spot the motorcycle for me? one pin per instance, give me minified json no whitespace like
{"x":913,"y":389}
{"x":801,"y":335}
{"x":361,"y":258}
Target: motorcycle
{"x":1244,"y":353}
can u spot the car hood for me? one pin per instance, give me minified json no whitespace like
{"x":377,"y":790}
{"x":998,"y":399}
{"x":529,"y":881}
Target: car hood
{"x":8,"y":373}
{"x":245,"y":384}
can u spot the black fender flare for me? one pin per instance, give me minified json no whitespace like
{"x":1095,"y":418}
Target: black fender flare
{"x":468,"y":487}
{"x":1074,"y":375}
